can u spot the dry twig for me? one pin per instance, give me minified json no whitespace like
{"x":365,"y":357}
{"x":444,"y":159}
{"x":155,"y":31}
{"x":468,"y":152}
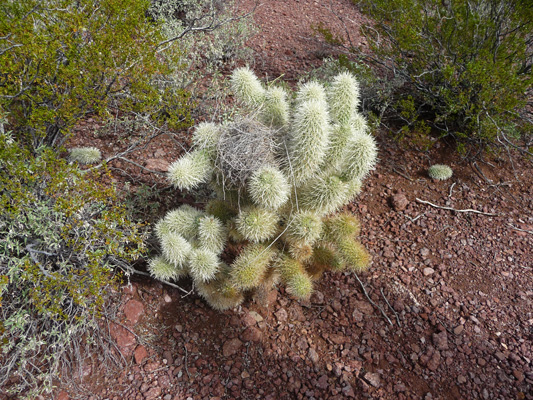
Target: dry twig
{"x":455,"y":209}
{"x":372,"y":302}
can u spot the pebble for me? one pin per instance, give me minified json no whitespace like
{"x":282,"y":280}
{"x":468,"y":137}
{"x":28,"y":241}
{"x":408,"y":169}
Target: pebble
{"x":231,"y":347}
{"x":133,"y":310}
{"x":428,"y":271}
{"x":313,"y":355}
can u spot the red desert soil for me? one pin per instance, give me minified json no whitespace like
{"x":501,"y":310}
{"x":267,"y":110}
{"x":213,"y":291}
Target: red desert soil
{"x":451,"y":310}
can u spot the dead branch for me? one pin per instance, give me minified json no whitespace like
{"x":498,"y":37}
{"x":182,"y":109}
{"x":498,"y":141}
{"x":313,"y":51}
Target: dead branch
{"x":371,"y":302}
{"x":455,"y":209}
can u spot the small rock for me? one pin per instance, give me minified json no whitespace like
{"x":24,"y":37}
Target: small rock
{"x":519,"y":375}
{"x":153,"y":393}
{"x":231,"y":347}
{"x":428,"y":271}
{"x":323,"y":382}
{"x":252,"y":334}
{"x":167,"y":298}
{"x":63,"y":396}
{"x":347,"y":391}
{"x":365,"y":307}
{"x":441,"y":340}
{"x":140,"y":354}
{"x":313,"y":355}
{"x":373,"y":378}
{"x":424,"y":252}
{"x":281,"y":315}
{"x":461,"y":379}
{"x":500,"y":356}
{"x":434,"y":362}
{"x":399,"y":202}
{"x":317,"y":297}
{"x":133,"y":310}
{"x":458,"y":329}
{"x":157,"y":164}
{"x":256,"y":316}
{"x":124,"y":338}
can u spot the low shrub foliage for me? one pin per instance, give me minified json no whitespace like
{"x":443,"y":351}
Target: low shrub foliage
{"x":457,"y":68}
{"x":62,"y":234}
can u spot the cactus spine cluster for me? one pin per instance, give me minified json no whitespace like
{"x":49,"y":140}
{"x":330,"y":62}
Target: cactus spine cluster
{"x":280,"y":174}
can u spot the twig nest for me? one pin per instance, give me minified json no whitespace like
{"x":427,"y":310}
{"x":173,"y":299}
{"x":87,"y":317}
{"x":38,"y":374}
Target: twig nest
{"x":244,"y":147}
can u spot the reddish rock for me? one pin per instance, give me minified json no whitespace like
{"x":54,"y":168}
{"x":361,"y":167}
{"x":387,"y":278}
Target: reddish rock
{"x":428,"y":271}
{"x":140,"y":354}
{"x":365,"y":307}
{"x":281,"y":315}
{"x":313,"y":355}
{"x":399,"y":202}
{"x":434,"y":361}
{"x":124,"y":338}
{"x":252,"y":334}
{"x":441,"y":340}
{"x":152,"y":393}
{"x":157,"y":164}
{"x":133,"y":310}
{"x":373,"y":378}
{"x":63,"y":396}
{"x":347,"y":391}
{"x":323,"y":382}
{"x":231,"y":347}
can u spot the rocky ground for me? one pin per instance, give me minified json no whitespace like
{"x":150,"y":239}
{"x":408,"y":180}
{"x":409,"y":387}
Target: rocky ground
{"x":445,"y":311}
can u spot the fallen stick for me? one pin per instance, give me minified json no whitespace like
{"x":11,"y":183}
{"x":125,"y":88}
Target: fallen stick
{"x":371,"y":302}
{"x":455,"y":209}
{"x":521,"y":230}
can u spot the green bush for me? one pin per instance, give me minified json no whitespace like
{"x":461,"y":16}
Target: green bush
{"x":280,"y":171}
{"x":61,"y":234}
{"x":463,"y":67}
{"x":62,"y":59}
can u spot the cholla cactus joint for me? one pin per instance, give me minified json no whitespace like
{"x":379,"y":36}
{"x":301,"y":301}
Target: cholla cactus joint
{"x":85,"y":155}
{"x":440,"y":172}
{"x":280,"y":173}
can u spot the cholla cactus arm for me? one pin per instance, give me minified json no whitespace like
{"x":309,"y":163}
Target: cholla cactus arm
{"x":311,"y":91}
{"x":359,"y":124}
{"x":183,"y":221}
{"x":326,"y":257}
{"x":354,"y":186}
{"x":85,"y":155}
{"x":340,"y":227}
{"x":309,"y":139}
{"x":304,"y":227}
{"x":212,"y":234}
{"x":268,"y":188}
{"x":361,"y":156}
{"x":343,"y":98}
{"x":440,"y":172}
{"x":203,"y":265}
{"x":176,"y":249}
{"x":276,"y":108}
{"x":250,"y":267}
{"x":300,"y":251}
{"x":247,"y":87}
{"x":323,"y":195}
{"x":205,"y":137}
{"x":257,"y":224}
{"x":340,"y":137}
{"x":294,"y":276}
{"x":300,"y":286}
{"x":161,"y":269}
{"x":354,"y":254}
{"x":220,"y":209}
{"x":191,"y":170}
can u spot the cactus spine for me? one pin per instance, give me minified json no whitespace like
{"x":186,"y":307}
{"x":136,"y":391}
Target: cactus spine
{"x":279,"y":176}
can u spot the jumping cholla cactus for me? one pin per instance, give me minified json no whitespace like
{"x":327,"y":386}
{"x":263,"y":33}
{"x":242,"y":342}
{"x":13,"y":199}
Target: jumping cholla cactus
{"x":440,"y":172}
{"x":279,"y":174}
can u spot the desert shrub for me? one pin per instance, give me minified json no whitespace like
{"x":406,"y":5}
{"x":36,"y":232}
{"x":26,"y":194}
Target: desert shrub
{"x":463,"y":68}
{"x":62,"y":59}
{"x":61,"y":235}
{"x":280,"y":171}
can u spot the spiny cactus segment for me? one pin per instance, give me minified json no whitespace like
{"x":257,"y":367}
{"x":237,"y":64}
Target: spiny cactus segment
{"x":280,"y":173}
{"x":440,"y":172}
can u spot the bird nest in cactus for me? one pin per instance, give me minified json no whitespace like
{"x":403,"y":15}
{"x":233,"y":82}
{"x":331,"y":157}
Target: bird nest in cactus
{"x":280,"y":173}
